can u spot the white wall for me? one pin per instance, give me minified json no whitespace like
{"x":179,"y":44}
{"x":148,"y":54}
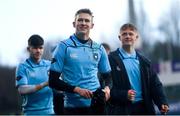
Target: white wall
{"x":167,"y":76}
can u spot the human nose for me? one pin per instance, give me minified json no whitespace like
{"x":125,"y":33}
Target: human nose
{"x":128,"y":34}
{"x":38,"y":49}
{"x":82,"y":22}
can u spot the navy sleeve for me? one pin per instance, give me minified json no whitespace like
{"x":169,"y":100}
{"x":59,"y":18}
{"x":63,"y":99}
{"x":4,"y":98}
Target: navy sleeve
{"x":58,"y":84}
{"x":119,"y":96}
{"x":157,"y":90}
{"x":119,"y":90}
{"x":107,"y":79}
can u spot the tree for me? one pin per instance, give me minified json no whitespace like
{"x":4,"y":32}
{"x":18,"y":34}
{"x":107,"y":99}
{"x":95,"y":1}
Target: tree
{"x":175,"y":21}
{"x":170,"y":28}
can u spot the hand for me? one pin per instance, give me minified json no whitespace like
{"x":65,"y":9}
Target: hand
{"x":164,"y":109}
{"x":83,"y":92}
{"x":106,"y":90}
{"x":131,"y":94}
{"x":41,"y":85}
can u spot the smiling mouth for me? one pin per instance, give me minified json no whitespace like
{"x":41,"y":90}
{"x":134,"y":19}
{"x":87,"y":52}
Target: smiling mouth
{"x":83,"y":28}
{"x":127,"y":40}
{"x":37,"y":54}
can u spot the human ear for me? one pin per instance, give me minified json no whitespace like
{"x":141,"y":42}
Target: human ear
{"x":73,"y":24}
{"x":119,"y":37}
{"x":92,"y":25}
{"x":28,"y":48}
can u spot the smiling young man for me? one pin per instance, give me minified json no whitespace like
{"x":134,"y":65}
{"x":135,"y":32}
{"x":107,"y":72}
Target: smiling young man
{"x":136,"y":87}
{"x":32,"y":80}
{"x":77,"y":60}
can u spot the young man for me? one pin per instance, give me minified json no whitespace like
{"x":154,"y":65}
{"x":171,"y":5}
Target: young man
{"x":78,"y":59}
{"x":32,"y":80}
{"x":135,"y":85}
{"x":107,"y":48}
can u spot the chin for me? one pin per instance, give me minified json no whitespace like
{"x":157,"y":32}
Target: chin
{"x":37,"y":57}
{"x":127,"y":45}
{"x":82,"y":32}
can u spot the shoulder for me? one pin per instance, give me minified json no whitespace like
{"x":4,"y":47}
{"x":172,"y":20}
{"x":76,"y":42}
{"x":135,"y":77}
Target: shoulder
{"x":113,"y":53}
{"x":20,"y":65}
{"x":67,"y":42}
{"x":96,"y":45}
{"x":23,"y":65}
{"x":46,"y":62}
{"x":62,"y":45}
{"x":143,"y":58}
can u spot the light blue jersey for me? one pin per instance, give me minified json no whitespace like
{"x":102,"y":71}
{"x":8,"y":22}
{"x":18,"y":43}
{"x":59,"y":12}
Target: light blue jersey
{"x":79,"y":64}
{"x":29,"y":73}
{"x":131,"y":64}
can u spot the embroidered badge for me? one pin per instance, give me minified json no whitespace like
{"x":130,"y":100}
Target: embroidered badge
{"x":118,"y":69}
{"x":95,"y":56}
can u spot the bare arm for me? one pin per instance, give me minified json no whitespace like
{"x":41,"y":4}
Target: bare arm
{"x":26,"y":89}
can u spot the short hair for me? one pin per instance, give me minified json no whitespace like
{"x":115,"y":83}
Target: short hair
{"x":128,"y":26}
{"x":84,"y":10}
{"x":35,"y":40}
{"x":106,"y":46}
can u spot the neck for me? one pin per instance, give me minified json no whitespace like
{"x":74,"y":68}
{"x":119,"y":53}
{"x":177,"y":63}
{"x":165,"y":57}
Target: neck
{"x":82,"y":40}
{"x":128,"y":49}
{"x":82,"y":36}
{"x":36,"y":61}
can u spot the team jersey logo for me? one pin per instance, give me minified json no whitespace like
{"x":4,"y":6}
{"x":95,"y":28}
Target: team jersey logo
{"x":95,"y":56}
{"x":118,"y":69}
{"x":32,"y":74}
{"x":73,"y":55}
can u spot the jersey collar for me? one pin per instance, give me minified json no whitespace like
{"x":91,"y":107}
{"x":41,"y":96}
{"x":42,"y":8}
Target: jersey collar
{"x":126,"y":55}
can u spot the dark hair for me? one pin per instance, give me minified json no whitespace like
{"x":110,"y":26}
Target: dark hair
{"x":84,"y":10}
{"x":128,"y":26}
{"x":35,"y":40}
{"x":106,"y":46}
